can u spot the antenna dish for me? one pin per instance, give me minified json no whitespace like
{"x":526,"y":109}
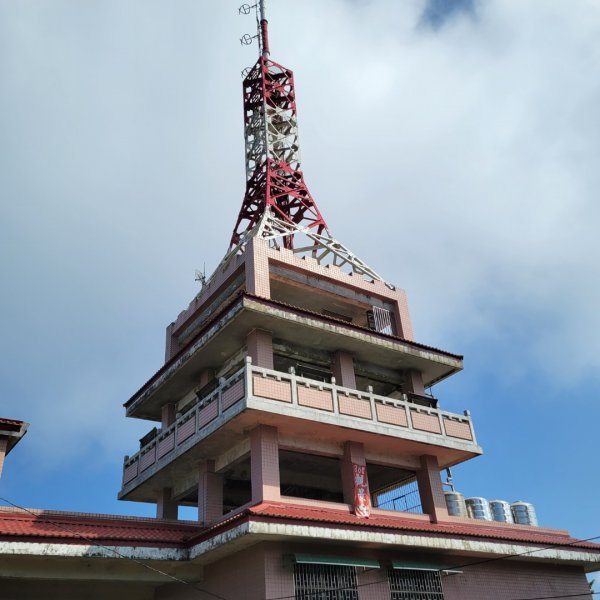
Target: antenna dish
{"x":245,"y":9}
{"x":246,"y":39}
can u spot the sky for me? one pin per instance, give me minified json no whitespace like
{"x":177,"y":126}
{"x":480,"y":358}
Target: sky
{"x":453,"y":146}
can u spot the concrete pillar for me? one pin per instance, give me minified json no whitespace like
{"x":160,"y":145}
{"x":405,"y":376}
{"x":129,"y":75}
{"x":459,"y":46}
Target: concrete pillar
{"x":3,"y":449}
{"x":166,"y":507}
{"x":430,"y":489}
{"x":257,"y":268}
{"x":343,"y":369}
{"x":402,"y":319}
{"x":167,"y":415}
{"x":206,"y":377}
{"x":260,"y":348}
{"x":210,"y":493}
{"x":264,"y":464}
{"x":414,"y":382}
{"x":354,"y":453}
{"x":170,"y":343}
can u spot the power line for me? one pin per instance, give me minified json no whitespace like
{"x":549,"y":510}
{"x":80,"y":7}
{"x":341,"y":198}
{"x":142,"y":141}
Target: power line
{"x":113,"y":550}
{"x":507,"y":556}
{"x":590,"y":593}
{"x":309,"y":595}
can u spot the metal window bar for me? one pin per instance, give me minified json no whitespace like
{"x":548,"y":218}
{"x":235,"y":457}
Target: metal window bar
{"x":403,"y":497}
{"x":383,"y":320}
{"x":325,"y":582}
{"x":409,"y":584}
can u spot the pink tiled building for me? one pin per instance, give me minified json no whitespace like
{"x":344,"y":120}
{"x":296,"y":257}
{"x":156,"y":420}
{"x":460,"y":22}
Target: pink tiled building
{"x":292,"y":411}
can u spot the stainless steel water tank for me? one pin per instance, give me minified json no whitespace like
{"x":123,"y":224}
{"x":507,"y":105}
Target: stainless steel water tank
{"x":501,"y":511}
{"x":478,"y":508}
{"x":455,"y":502}
{"x":524,"y":513}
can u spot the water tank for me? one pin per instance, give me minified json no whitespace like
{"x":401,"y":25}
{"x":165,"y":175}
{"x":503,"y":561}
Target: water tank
{"x":478,"y":508}
{"x":501,"y":511}
{"x":524,"y":513}
{"x":455,"y":502}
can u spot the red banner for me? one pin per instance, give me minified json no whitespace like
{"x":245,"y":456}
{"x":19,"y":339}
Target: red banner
{"x":362,"y":498}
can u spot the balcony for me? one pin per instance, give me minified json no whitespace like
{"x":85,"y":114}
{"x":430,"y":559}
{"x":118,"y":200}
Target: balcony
{"x":254,"y":394}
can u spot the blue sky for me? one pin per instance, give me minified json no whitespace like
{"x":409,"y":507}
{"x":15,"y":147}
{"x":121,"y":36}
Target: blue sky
{"x":453,"y":150}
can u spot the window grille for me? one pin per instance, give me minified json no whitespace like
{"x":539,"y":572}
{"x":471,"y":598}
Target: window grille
{"x":403,"y":496}
{"x":381,"y":320}
{"x":409,"y":584}
{"x":325,"y":582}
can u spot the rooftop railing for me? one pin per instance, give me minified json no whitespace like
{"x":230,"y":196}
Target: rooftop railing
{"x":307,"y":398}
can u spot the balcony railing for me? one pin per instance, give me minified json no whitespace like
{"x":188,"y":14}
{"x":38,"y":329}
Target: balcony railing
{"x":305,"y":397}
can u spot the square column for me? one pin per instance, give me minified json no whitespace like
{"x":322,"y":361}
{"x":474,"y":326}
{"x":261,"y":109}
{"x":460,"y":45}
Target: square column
{"x":257,"y":268}
{"x":414,"y":382}
{"x":264,"y":464}
{"x":430,"y":489}
{"x":355,"y":482}
{"x":166,"y":507}
{"x":3,"y":449}
{"x":167,"y":415}
{"x":343,"y":369}
{"x":260,"y":348}
{"x":210,"y":493}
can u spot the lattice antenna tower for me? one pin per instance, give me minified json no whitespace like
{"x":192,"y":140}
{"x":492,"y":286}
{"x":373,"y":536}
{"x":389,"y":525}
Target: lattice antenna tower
{"x":277,"y":205}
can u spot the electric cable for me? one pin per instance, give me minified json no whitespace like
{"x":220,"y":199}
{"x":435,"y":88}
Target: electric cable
{"x":310,"y":595}
{"x":307,"y":595}
{"x":113,"y":550}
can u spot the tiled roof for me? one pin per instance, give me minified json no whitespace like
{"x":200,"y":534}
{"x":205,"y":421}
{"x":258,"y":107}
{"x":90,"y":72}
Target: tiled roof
{"x":328,"y":318}
{"x":4,"y":421}
{"x":63,"y":527}
{"x":79,"y":527}
{"x":516,"y":533}
{"x":240,"y":296}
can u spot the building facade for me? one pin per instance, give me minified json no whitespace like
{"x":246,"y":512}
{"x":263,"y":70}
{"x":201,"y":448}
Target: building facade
{"x":292,"y":411}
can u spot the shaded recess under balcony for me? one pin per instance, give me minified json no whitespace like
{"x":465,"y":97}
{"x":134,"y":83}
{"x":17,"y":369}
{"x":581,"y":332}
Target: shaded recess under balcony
{"x":255,"y":395}
{"x":226,"y":333}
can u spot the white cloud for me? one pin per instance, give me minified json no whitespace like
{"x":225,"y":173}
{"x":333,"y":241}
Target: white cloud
{"x":461,"y":164}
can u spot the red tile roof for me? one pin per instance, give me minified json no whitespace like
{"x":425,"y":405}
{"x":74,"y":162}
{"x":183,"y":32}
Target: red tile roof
{"x":78,"y":528}
{"x":238,"y":297}
{"x":517,"y":533}
{"x":4,"y":421}
{"x":63,"y":527}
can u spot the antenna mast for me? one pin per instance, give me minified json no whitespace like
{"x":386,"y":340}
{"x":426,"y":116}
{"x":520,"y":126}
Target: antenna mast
{"x":277,"y":206}
{"x":264,"y":29}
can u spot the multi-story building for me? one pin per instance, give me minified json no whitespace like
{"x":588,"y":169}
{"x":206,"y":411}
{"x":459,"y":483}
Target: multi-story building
{"x":292,"y":411}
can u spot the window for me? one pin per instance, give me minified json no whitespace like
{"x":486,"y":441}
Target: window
{"x":325,"y":582}
{"x":413,"y":584}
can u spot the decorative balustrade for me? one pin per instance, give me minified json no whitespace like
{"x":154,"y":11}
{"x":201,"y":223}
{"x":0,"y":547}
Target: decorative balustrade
{"x":206,"y":410}
{"x":330,"y":397}
{"x":256,"y":383}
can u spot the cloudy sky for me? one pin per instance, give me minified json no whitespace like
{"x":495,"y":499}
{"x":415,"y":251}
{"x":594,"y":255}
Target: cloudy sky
{"x":453,"y":145}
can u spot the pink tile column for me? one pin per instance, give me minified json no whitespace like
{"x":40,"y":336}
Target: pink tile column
{"x":430,"y":489}
{"x":166,"y":507}
{"x":167,"y":415}
{"x":414,"y":382}
{"x":260,"y":348}
{"x":354,"y":452}
{"x":264,"y":464}
{"x":170,"y":343}
{"x":343,"y":369}
{"x":402,"y":317}
{"x":3,"y":447}
{"x":257,"y":268}
{"x":210,"y":493}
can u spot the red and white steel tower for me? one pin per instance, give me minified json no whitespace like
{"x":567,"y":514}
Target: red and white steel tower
{"x":278,"y":205}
